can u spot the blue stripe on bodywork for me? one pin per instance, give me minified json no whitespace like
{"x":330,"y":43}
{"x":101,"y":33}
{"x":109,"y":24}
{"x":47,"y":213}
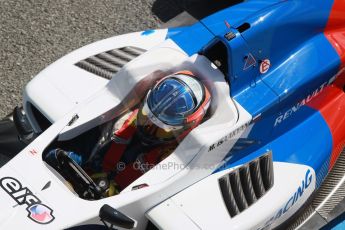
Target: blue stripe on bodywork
{"x":303,"y":139}
{"x":307,"y":68}
{"x":235,"y":15}
{"x":193,"y":38}
{"x":289,"y":34}
{"x":299,"y":77}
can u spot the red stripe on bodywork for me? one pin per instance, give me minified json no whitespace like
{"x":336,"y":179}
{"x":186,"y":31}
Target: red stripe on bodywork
{"x":331,"y":101}
{"x":331,"y":104}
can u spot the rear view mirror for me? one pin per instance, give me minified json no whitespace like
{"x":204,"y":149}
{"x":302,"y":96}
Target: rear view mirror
{"x":113,"y":217}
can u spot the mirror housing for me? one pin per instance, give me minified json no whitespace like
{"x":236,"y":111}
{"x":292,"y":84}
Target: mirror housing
{"x":112,"y":216}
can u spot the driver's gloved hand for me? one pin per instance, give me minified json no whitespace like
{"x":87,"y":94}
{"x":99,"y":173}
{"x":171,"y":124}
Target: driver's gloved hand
{"x":108,"y":187}
{"x":51,"y":157}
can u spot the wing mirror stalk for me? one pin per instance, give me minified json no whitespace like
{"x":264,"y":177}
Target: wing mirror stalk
{"x":113,"y":218}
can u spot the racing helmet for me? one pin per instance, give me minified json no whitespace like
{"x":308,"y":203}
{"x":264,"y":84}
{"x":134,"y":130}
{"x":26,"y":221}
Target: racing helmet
{"x":172,"y":108}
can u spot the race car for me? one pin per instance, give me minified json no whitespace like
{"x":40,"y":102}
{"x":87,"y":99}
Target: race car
{"x":267,"y":154}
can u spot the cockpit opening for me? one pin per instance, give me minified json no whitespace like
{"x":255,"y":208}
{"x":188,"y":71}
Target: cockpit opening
{"x":106,"y":159}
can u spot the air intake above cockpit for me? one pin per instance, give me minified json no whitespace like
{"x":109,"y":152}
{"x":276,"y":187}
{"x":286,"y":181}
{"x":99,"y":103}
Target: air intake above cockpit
{"x":108,"y":63}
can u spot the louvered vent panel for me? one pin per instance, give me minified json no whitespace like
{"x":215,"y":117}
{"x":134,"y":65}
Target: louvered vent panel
{"x":109,"y":63}
{"x":248,"y":183}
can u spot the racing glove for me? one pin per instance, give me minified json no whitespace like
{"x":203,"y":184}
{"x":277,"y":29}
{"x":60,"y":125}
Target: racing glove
{"x":109,"y":187}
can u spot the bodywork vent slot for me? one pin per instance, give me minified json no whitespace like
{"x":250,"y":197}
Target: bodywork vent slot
{"x":108,"y":63}
{"x":245,"y":26}
{"x":243,"y":186}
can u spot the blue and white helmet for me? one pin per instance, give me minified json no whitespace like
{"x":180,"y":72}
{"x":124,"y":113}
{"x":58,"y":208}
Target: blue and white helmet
{"x":172,"y":108}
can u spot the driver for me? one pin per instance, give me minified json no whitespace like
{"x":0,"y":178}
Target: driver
{"x":148,"y":134}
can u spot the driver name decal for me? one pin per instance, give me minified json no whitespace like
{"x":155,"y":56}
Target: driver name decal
{"x":37,"y":211}
{"x":228,"y":137}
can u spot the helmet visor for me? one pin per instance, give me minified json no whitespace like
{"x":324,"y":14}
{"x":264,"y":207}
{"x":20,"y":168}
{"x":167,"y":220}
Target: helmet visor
{"x":152,"y":128}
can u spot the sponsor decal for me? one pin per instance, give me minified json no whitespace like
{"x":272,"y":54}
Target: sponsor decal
{"x":33,"y":152}
{"x":37,"y":211}
{"x":303,"y":102}
{"x":265,"y":66}
{"x":250,"y":61}
{"x":295,"y":197}
{"x":40,"y":213}
{"x":227,"y":137}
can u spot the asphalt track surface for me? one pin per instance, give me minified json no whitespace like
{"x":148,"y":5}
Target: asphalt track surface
{"x":34,"y":33}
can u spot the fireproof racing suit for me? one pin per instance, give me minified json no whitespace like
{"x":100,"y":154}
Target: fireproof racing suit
{"x":128,"y":158}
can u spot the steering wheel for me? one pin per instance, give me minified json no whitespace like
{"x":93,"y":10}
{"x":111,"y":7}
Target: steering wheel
{"x":83,"y":185}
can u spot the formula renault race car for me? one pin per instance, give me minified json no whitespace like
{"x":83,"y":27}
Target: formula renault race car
{"x":267,"y":154}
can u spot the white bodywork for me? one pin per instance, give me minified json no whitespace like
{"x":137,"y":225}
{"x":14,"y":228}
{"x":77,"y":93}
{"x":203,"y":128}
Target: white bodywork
{"x":62,"y":85}
{"x":202,"y":204}
{"x":182,"y":193}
